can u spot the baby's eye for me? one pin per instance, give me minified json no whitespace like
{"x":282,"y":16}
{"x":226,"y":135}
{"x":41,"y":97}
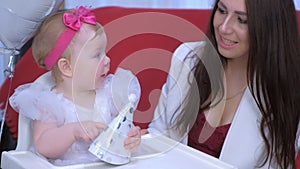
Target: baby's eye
{"x":97,"y":55}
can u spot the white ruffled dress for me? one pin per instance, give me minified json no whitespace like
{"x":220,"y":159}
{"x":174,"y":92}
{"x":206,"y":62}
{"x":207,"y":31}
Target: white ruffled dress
{"x":38,"y":101}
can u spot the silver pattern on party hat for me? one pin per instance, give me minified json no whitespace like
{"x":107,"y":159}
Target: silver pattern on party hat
{"x":109,"y":145}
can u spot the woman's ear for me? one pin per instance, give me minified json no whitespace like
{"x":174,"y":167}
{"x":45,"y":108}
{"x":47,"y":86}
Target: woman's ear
{"x":64,"y":65}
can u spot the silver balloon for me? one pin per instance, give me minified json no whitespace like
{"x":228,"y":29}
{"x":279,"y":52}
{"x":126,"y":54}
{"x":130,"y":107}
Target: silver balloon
{"x":20,"y":19}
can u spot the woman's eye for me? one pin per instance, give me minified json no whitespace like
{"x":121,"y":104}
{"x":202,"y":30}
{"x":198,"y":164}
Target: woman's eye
{"x":222,"y":11}
{"x":243,"y":21}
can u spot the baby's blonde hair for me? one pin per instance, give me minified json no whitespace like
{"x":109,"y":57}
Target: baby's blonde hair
{"x":45,"y":40}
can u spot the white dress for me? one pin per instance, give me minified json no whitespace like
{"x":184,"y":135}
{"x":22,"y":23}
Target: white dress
{"x":38,"y":101}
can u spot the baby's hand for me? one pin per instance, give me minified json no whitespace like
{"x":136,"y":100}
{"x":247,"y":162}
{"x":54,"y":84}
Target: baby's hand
{"x":88,"y":130}
{"x":133,"y":140}
{"x":144,"y":131}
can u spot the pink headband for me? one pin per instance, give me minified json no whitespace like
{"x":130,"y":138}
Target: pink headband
{"x":73,"y":22}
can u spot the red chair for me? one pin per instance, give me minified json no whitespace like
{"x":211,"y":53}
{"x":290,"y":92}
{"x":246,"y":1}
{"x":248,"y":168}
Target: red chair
{"x":141,"y":40}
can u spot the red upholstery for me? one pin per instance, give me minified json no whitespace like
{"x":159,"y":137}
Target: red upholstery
{"x":141,"y":40}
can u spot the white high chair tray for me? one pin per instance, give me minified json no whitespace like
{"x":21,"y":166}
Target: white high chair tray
{"x":154,"y":152}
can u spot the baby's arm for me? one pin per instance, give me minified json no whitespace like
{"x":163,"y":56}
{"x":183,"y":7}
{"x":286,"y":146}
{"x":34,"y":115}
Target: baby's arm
{"x":52,"y":141}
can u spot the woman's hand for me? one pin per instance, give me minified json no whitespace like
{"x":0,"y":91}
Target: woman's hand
{"x":88,"y":130}
{"x":133,"y":140}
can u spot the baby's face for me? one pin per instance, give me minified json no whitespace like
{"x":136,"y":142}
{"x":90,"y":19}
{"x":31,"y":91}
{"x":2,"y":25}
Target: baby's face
{"x":89,"y":61}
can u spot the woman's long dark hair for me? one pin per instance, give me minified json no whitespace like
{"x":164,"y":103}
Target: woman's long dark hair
{"x":274,"y":67}
{"x":273,"y":77}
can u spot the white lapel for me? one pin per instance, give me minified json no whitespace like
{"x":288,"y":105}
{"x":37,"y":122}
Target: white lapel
{"x":243,"y":143}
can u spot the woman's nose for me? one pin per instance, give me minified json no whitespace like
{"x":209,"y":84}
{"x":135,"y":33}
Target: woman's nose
{"x":226,"y":25}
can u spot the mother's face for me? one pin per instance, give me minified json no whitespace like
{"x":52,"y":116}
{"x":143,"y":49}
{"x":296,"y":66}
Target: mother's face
{"x":231,"y":29}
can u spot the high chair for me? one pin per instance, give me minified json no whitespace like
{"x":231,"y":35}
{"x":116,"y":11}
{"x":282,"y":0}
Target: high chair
{"x":21,"y":158}
{"x":154,"y":151}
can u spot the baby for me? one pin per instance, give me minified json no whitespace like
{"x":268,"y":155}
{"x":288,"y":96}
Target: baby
{"x":72,"y":103}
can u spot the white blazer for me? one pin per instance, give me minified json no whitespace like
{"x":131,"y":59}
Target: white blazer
{"x":243,"y":144}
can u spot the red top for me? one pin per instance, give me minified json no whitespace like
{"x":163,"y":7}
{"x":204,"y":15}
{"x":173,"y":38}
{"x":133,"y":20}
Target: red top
{"x":208,"y":143}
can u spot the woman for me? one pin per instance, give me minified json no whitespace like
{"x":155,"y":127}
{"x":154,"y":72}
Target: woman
{"x":243,"y":105}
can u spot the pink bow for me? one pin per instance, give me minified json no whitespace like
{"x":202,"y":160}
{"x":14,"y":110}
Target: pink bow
{"x":75,"y":19}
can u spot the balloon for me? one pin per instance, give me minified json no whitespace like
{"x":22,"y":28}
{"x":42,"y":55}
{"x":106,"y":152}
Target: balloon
{"x":19,"y":19}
